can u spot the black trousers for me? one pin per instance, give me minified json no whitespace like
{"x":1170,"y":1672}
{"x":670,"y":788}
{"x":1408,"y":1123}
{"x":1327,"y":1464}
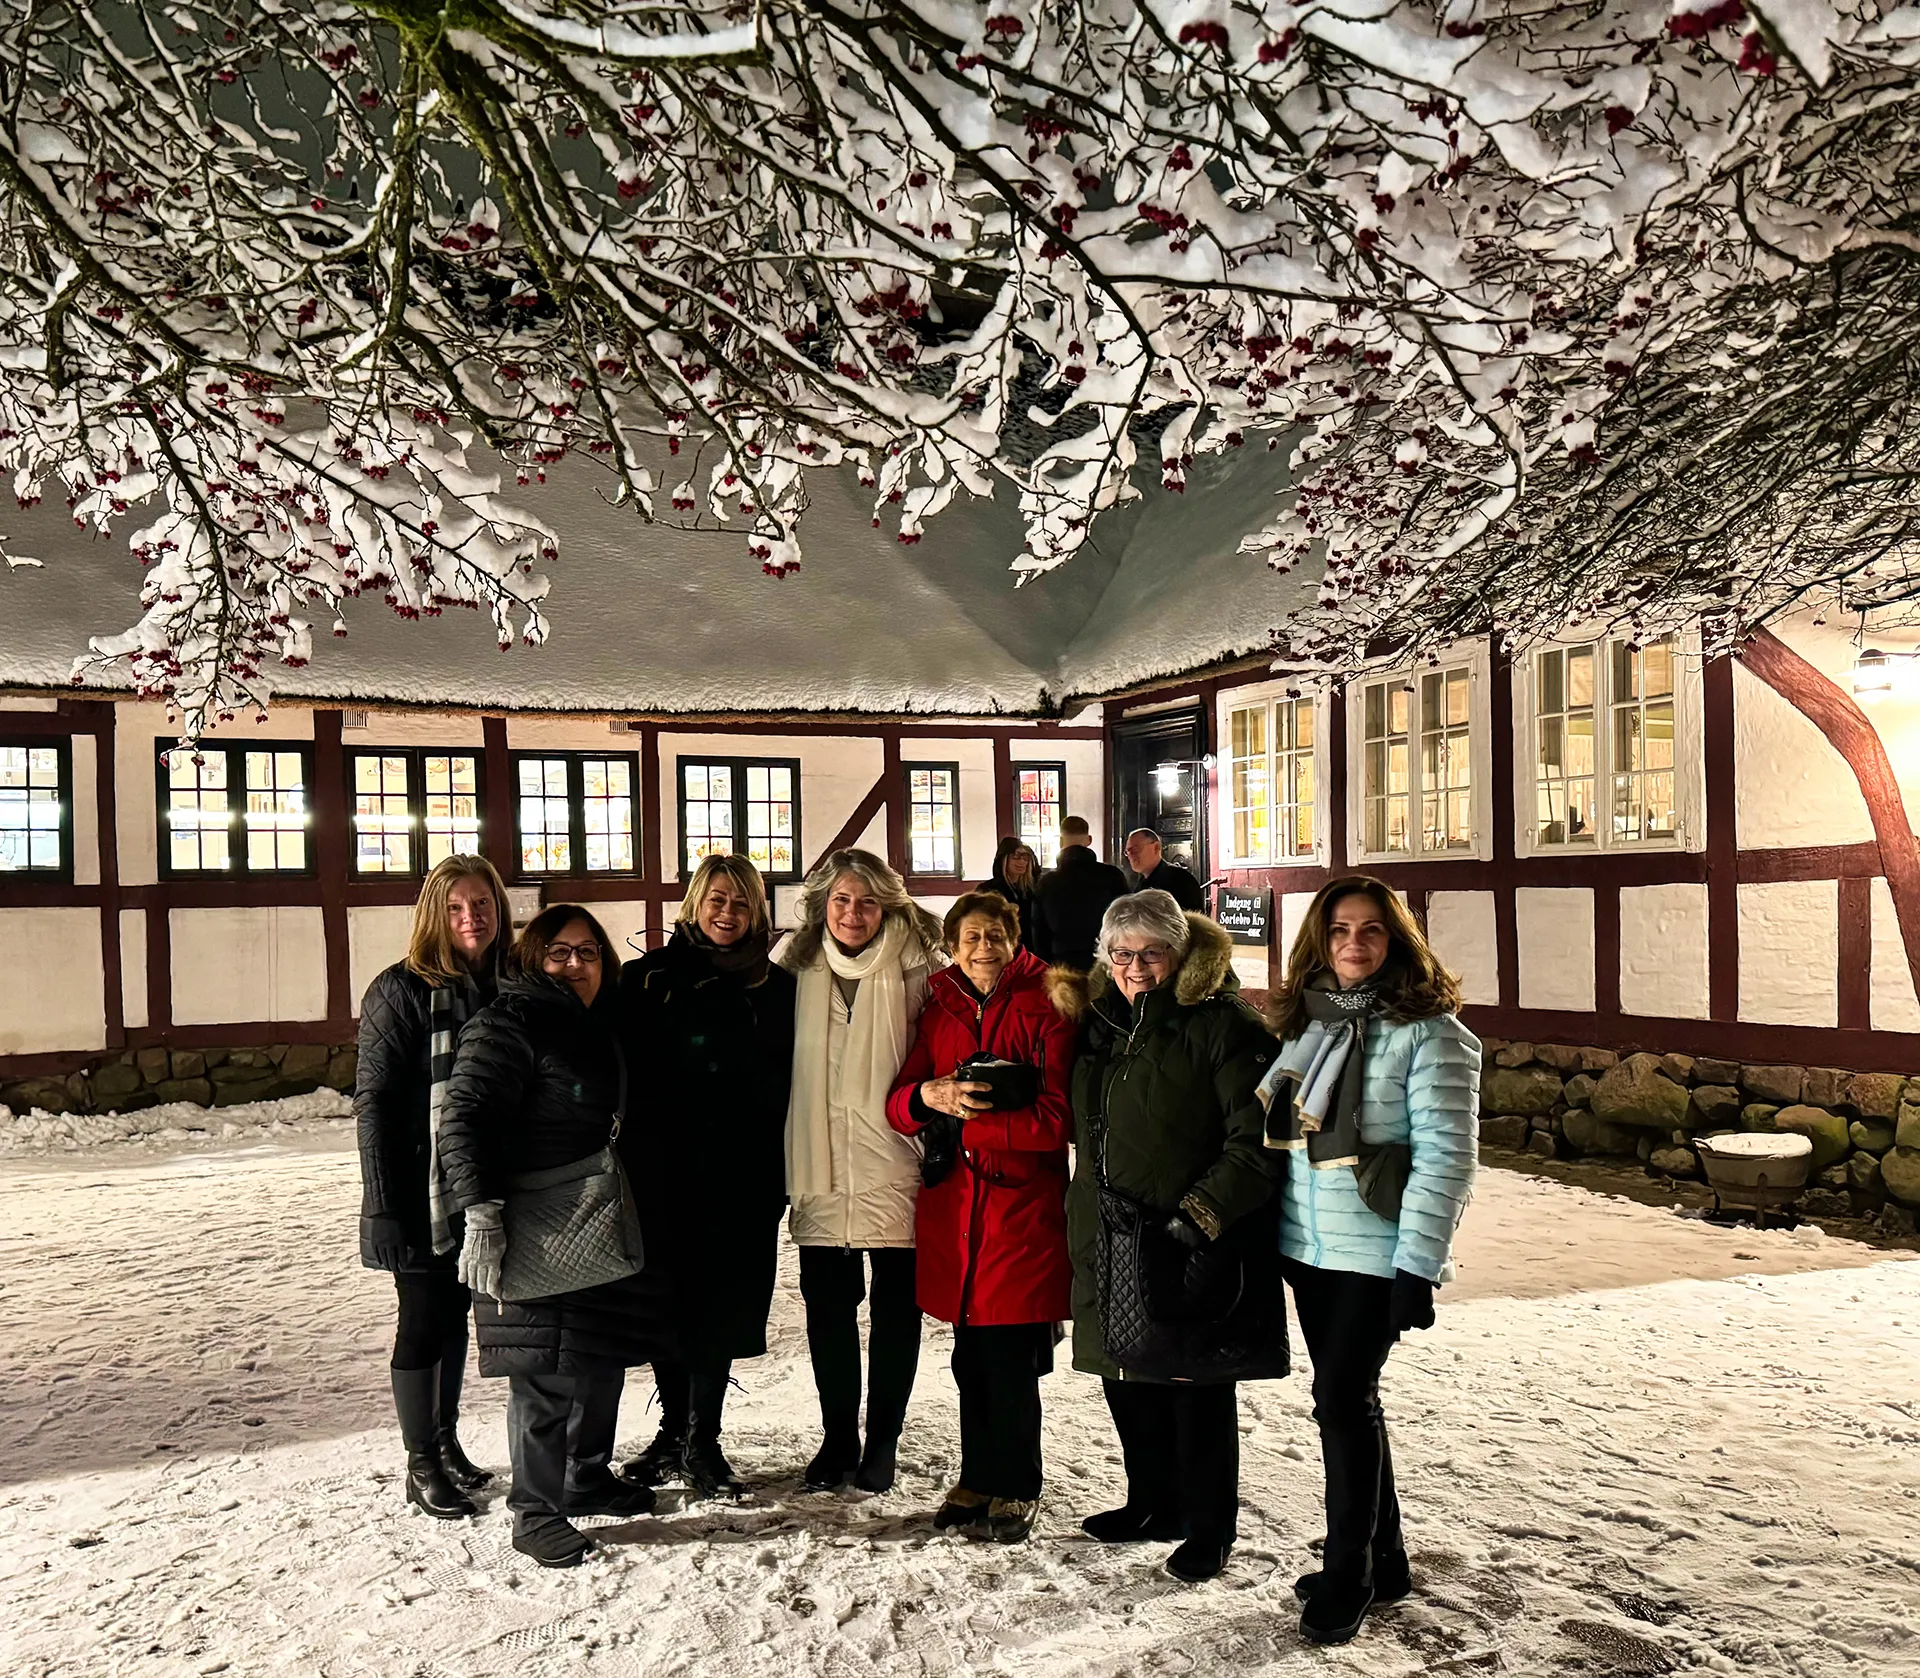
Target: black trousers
{"x":560,"y":1438}
{"x":692,"y":1398}
{"x":1181,"y":1446}
{"x":998,"y":1370}
{"x":833,"y":1281}
{"x":432,"y":1330}
{"x":1347,"y":1319}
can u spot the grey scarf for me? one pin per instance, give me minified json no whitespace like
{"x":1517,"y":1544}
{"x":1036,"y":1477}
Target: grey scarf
{"x":449,"y":1007}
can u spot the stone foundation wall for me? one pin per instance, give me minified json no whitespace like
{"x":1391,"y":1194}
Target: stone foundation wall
{"x":1571,"y":1103}
{"x":125,"y":1083}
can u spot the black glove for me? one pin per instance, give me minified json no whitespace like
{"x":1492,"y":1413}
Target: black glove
{"x":1188,"y":1233}
{"x":1411,"y":1305}
{"x":939,"y":1147}
{"x":385,"y":1237}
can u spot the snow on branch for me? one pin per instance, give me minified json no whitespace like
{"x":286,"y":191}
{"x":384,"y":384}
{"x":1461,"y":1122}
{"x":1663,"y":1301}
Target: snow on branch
{"x":1542,"y":310}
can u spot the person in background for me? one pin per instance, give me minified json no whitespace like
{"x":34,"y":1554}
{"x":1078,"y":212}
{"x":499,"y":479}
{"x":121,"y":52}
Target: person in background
{"x":410,"y":1021}
{"x":1071,"y":899}
{"x":1016,"y":877}
{"x":1375,"y":1099}
{"x":709,"y":1030}
{"x":863,"y":955}
{"x":1167,"y":1117}
{"x":538,"y":1083}
{"x":991,"y":1233}
{"x":1147,"y":858}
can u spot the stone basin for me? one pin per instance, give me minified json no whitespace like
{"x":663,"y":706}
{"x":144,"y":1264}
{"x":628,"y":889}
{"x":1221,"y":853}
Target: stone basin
{"x":1757,"y":1170}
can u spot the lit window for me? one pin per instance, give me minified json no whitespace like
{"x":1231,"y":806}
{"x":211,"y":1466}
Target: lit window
{"x":731,"y":807}
{"x":1388,"y":766}
{"x":1446,"y":762}
{"x":412,"y":809}
{"x":1630,"y":753}
{"x":1040,"y":795}
{"x":933,"y":817}
{"x":1270,"y":780}
{"x":574,"y":812}
{"x":1416,"y":764}
{"x":35,"y":833}
{"x":235,"y":809}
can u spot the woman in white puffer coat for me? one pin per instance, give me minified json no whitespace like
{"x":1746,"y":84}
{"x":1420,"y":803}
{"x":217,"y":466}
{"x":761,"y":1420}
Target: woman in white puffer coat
{"x":863,"y":955}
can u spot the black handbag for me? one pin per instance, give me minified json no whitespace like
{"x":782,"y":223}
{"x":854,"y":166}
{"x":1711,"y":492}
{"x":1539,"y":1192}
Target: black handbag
{"x":573,"y":1226}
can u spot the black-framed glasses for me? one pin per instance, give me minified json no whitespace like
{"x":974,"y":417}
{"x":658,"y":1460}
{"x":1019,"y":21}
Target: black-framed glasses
{"x":565,"y":955}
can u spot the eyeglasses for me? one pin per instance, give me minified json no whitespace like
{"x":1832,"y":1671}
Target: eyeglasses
{"x":1147,"y":958}
{"x":564,"y":955}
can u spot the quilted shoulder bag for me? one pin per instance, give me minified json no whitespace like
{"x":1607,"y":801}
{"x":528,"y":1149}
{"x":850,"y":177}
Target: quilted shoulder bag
{"x":573,"y":1226}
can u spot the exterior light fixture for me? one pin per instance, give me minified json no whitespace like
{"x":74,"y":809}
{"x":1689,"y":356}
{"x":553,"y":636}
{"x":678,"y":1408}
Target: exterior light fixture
{"x":1166,"y":779}
{"x":1872,"y":675}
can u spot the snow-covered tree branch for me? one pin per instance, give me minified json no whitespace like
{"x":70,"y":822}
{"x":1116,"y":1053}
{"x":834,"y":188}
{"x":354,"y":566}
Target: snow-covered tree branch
{"x":1545,"y":311}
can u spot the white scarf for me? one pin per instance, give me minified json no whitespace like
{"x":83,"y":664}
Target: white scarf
{"x":877,"y":1041}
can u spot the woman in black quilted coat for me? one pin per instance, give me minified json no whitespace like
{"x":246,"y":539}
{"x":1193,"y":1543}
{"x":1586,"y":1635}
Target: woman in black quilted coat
{"x":536,"y":1084}
{"x":709,"y":1029}
{"x":447,"y":977}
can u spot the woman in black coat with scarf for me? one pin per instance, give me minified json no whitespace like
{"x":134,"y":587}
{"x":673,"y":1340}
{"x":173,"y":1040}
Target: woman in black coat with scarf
{"x":538,"y":1082}
{"x":708,"y":1022}
{"x":410,"y":1019}
{"x":1016,"y":877}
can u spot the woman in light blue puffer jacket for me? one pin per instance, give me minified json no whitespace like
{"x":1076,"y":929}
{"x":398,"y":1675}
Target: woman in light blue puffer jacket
{"x":1376,"y":1098}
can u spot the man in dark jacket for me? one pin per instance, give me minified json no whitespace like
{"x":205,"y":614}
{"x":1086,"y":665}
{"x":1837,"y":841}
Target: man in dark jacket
{"x":1073,"y":897}
{"x":1146,"y":858}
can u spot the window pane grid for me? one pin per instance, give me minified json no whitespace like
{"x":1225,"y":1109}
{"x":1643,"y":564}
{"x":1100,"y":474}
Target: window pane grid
{"x":1643,"y":741}
{"x":1446,"y":761}
{"x":546,"y":816}
{"x":933,"y":819}
{"x":1293,"y":774}
{"x":607,"y":814}
{"x":382,"y":813}
{"x":1249,"y":783}
{"x":1386,"y":766}
{"x":770,"y":826}
{"x":1566,"y":769}
{"x":1039,"y":797}
{"x":276,"y":812}
{"x":199,"y":813}
{"x":32,"y":809}
{"x":452,"y":806}
{"x":741,"y":809}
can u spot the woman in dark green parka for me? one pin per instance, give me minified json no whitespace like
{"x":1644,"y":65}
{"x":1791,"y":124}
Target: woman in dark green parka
{"x":1164,"y":1106}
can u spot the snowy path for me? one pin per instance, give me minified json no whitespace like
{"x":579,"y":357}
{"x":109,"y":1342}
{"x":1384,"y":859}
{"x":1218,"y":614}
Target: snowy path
{"x":1604,"y":1473}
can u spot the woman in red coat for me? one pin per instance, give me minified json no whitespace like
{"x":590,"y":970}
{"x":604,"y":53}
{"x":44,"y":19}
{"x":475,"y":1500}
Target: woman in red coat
{"x":990,"y":1228}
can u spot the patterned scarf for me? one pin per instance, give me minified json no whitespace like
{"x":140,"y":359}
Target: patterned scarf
{"x":449,"y":1007}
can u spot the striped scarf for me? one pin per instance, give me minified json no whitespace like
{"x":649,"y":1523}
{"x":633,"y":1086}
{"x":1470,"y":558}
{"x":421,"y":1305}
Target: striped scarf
{"x":449,"y":1007}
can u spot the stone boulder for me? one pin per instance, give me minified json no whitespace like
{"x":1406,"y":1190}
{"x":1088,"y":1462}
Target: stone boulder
{"x":152,"y":1064}
{"x":1580,"y":1088}
{"x":1826,"y":1131}
{"x":1504,"y":1130}
{"x":1678,"y":1067}
{"x":1863,"y":1175}
{"x":1510,"y":1090}
{"x":305,"y":1063}
{"x":1716,"y":1071}
{"x":1906,"y":1129}
{"x":1834,"y":1177}
{"x":1513,"y":1054}
{"x":1543,"y":1145}
{"x":196,"y":1090}
{"x":1597,"y":1060}
{"x":1589,"y":1135}
{"x":48,"y":1094}
{"x":1825,"y":1087}
{"x":114,"y":1083}
{"x":1716,"y":1106}
{"x":1674,"y":1162}
{"x":1875,"y":1095}
{"x":1871,"y":1136}
{"x":341,"y":1069}
{"x":189,"y":1063}
{"x":1637,"y":1092}
{"x":1900,"y":1172}
{"x":1558,"y":1056}
{"x":1757,"y":1115}
{"x":1781,"y":1085}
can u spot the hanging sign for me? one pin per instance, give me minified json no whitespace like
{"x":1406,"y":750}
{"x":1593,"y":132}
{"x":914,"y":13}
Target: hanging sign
{"x":1245,"y":911}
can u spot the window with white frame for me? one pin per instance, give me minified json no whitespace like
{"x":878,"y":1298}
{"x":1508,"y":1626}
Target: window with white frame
{"x":1417,"y":786}
{"x":733,"y":807}
{"x":235,"y":810}
{"x":933,"y":817}
{"x":1603,"y":736}
{"x":1270,"y":780}
{"x":1039,"y":801}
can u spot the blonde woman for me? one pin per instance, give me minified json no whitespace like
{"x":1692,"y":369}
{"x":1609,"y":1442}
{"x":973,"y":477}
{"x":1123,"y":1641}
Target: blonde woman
{"x":410,"y":1020}
{"x":863,"y":955}
{"x":708,"y":1022}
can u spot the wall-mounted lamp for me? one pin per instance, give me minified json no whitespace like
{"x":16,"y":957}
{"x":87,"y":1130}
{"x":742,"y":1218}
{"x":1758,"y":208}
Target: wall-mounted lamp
{"x":1166,"y":779}
{"x":1873,"y":674}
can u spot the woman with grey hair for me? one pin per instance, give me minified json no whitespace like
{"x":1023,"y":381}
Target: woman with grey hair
{"x":1172,"y":1219}
{"x":862,"y":955}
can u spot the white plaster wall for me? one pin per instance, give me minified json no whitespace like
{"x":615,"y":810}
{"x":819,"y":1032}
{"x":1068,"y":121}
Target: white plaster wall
{"x":1663,"y":951}
{"x":568,"y":734}
{"x":432,"y":728}
{"x":979,"y":837}
{"x":1086,"y":788}
{"x":142,"y":731}
{"x":86,"y":810}
{"x":1790,"y":787}
{"x":1293,"y":913}
{"x":1554,"y":928}
{"x":133,"y":967}
{"x":836,"y":772}
{"x":1892,"y":1006}
{"x":623,"y":919}
{"x":51,"y":1003}
{"x":1250,"y":966}
{"x":1460,"y":926}
{"x":1789,"y":953}
{"x":376,"y":939}
{"x":23,"y":704}
{"x":241,"y":965}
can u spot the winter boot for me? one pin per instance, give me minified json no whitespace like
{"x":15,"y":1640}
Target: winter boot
{"x":1199,"y":1558}
{"x":835,"y":1462}
{"x":551,"y":1540}
{"x":1392,"y":1580}
{"x":1010,"y":1519}
{"x":962,"y":1508}
{"x":1336,"y":1611}
{"x":605,"y":1493}
{"x":878,"y":1463}
{"x":415,"y":1398}
{"x":460,"y":1469}
{"x":1133,"y":1526}
{"x":663,"y":1460}
{"x":708,"y":1470}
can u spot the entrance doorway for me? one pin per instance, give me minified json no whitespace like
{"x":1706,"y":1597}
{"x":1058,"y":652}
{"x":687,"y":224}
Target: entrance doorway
{"x":1159,"y":782}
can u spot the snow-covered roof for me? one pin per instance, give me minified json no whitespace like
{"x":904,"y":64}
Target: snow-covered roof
{"x":647,"y":618}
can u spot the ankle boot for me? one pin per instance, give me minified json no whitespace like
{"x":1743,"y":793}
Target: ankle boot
{"x":708,"y":1470}
{"x":460,"y":1469}
{"x":878,"y":1462}
{"x":415,"y":1398}
{"x":835,"y":1462}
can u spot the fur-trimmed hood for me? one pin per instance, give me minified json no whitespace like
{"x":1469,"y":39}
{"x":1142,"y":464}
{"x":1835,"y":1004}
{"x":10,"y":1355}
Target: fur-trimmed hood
{"x":1207,"y":971}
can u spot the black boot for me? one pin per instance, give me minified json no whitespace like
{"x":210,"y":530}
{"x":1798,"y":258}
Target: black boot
{"x":878,"y":1462}
{"x":461,"y":1470}
{"x":1392,"y":1580}
{"x":1128,"y":1525}
{"x":663,"y":1460}
{"x":1335,"y":1611}
{"x":708,"y":1470}
{"x":1199,"y":1558}
{"x":835,"y":1463}
{"x":416,"y":1398}
{"x":551,"y":1540}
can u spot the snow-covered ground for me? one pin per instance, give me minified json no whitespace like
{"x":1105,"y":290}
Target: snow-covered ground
{"x":171,"y":1125}
{"x":1635,"y":1443}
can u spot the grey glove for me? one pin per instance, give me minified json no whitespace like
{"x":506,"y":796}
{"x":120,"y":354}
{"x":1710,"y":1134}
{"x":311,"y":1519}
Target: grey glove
{"x":484,"y":1251}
